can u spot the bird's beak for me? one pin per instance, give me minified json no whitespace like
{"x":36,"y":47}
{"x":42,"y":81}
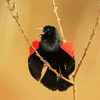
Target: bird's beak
{"x":42,"y":33}
{"x":41,"y":28}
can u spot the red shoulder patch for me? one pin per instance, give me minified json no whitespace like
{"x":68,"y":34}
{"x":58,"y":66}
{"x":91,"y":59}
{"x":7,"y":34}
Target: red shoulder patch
{"x":68,"y":48}
{"x":35,"y":44}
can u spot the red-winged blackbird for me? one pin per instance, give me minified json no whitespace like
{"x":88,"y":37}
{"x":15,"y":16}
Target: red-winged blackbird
{"x":59,"y":55}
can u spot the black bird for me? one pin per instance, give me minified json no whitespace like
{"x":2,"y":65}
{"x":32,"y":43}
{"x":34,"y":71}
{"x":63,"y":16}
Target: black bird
{"x":50,"y":49}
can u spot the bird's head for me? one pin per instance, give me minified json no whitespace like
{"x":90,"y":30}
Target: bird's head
{"x":50,"y":38}
{"x":49,"y":32}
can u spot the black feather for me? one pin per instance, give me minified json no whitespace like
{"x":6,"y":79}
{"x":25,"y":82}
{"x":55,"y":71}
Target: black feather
{"x":35,"y":66}
{"x":50,"y":80}
{"x":49,"y":49}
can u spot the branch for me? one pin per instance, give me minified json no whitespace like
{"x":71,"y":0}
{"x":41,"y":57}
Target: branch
{"x":15,"y":15}
{"x":84,"y":54}
{"x":74,"y":89}
{"x":88,"y":45}
{"x":58,"y":20}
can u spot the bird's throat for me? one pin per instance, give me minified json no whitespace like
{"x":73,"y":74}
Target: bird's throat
{"x":50,"y":46}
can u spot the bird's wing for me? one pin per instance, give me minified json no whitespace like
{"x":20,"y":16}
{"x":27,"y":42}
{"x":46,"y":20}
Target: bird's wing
{"x":68,"y":66}
{"x":67,"y":51}
{"x":68,"y":48}
{"x":34,"y":63}
{"x":35,"y":44}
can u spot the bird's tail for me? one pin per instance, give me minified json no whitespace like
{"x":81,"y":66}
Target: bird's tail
{"x":50,"y":80}
{"x":63,"y":85}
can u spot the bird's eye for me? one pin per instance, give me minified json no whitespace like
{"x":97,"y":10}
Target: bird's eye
{"x":47,"y":30}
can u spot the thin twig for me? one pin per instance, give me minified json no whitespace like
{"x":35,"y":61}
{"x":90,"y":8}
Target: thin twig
{"x":84,"y":54}
{"x":26,"y":38}
{"x":88,"y":45}
{"x":74,"y":89}
{"x":58,"y":20}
